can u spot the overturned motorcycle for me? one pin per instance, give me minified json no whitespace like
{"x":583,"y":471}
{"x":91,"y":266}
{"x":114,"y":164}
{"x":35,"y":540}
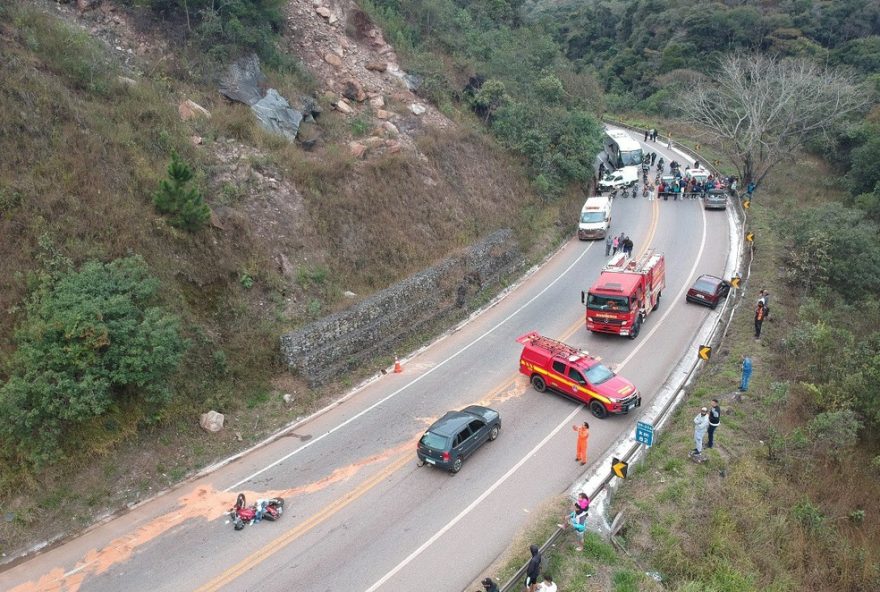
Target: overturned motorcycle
{"x":264,"y":509}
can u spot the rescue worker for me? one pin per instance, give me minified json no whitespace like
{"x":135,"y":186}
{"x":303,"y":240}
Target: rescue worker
{"x":583,"y":435}
{"x":759,"y":318}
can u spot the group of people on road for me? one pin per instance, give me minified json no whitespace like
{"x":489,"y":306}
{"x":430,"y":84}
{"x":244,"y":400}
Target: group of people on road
{"x":651,"y":135}
{"x":622,"y":243}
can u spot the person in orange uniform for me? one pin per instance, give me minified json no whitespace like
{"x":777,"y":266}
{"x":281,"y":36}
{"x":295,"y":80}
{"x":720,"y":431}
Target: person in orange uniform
{"x":583,"y":435}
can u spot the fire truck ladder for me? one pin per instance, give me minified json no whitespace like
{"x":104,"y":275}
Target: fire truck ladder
{"x":640,"y":265}
{"x":556,"y":348}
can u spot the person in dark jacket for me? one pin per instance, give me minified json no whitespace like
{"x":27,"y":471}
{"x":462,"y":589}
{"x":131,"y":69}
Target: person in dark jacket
{"x":489,"y":585}
{"x":714,"y":421}
{"x":759,"y":318}
{"x":533,"y":569}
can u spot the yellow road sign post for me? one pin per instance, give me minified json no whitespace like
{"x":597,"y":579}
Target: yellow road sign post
{"x":619,"y":467}
{"x":735,"y":280}
{"x":705,"y":352}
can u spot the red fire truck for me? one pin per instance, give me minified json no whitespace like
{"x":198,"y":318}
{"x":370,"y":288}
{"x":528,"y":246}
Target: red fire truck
{"x":627,"y":291}
{"x":552,"y":364}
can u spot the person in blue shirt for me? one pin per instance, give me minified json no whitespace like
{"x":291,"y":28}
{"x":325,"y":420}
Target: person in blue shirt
{"x":746,"y":373}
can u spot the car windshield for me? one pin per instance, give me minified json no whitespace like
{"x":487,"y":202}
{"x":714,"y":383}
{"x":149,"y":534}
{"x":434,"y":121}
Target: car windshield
{"x":435,"y":441}
{"x":592,"y":216}
{"x":599,"y":302}
{"x":598,"y":374}
{"x":633,"y":157}
{"x":705,"y":285}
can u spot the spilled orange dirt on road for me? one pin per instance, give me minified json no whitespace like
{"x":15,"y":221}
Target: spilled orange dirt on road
{"x":203,"y":502}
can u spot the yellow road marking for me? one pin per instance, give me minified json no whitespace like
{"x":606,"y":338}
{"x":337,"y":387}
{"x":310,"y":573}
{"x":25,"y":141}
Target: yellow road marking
{"x":254,"y":559}
{"x":276,"y":545}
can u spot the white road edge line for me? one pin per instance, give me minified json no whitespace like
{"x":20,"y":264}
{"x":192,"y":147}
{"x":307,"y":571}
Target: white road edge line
{"x":546,"y":439}
{"x":415,"y":380}
{"x":476,"y":502}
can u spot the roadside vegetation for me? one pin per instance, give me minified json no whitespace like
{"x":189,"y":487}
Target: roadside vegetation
{"x":140,"y":289}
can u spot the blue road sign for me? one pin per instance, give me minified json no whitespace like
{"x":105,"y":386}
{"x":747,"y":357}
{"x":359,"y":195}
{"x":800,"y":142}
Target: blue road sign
{"x":645,"y":433}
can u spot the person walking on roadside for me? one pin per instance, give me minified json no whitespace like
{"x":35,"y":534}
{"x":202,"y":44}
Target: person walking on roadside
{"x":615,"y":244}
{"x":701,"y":424}
{"x":653,"y":158}
{"x":628,"y":246}
{"x":583,"y":435}
{"x":760,"y":313}
{"x":653,"y":134}
{"x":746,"y":373}
{"x":609,"y":242}
{"x":647,"y":132}
{"x":714,"y":421}
{"x":533,"y":569}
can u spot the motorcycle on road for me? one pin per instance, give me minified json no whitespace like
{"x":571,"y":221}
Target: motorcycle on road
{"x":264,"y":509}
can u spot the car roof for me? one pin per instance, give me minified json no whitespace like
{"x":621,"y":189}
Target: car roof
{"x":449,"y":424}
{"x":709,"y":278}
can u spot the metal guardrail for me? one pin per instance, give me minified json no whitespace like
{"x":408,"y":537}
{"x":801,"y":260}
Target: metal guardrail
{"x":724,"y":318}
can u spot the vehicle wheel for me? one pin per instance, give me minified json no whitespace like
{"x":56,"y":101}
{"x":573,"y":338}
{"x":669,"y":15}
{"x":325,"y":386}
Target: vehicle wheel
{"x":636,"y":328}
{"x":237,"y":523}
{"x":657,"y":304}
{"x":240,"y":501}
{"x":456,"y":466}
{"x":420,"y":463}
{"x":267,"y":515}
{"x":598,"y":409}
{"x":494,"y":433}
{"x":538,"y":383}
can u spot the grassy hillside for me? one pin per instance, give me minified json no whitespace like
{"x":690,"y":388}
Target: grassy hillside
{"x":87,"y":134}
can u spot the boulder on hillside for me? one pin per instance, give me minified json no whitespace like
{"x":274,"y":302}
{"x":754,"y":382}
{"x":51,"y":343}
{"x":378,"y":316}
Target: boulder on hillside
{"x":189,"y":109}
{"x":376,"y":66}
{"x":276,"y":115}
{"x":244,"y":81}
{"x":212,"y":421}
{"x":353,"y":91}
{"x":417,"y":109}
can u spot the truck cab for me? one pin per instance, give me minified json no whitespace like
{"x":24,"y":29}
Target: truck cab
{"x":551,"y":364}
{"x":625,"y":177}
{"x":595,"y":218}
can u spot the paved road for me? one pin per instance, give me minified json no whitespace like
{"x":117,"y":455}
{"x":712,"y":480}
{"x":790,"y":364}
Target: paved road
{"x":361,"y":516}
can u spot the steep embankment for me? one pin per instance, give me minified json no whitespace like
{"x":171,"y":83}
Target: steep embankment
{"x":380,"y":185}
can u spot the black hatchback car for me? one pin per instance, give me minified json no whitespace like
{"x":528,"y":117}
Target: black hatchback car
{"x":708,"y":290}
{"x":456,"y":435}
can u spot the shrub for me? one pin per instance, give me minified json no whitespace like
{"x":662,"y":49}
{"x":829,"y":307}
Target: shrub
{"x":92,"y":339}
{"x":184,"y":205}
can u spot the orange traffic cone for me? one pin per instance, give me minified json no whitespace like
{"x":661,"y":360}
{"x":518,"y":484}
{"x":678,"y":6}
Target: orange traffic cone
{"x":397,"y":367}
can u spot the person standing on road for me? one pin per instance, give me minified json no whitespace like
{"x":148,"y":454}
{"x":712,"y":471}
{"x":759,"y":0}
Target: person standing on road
{"x":746,"y":373}
{"x":533,"y":569}
{"x":583,"y":435}
{"x":628,"y":246}
{"x":653,"y":158}
{"x":653,"y":134}
{"x":714,"y":421}
{"x":609,"y":242}
{"x":760,"y":313}
{"x":701,"y":424}
{"x":615,"y":244}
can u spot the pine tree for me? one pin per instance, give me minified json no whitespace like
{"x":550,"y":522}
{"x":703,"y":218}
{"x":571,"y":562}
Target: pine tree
{"x":184,"y":205}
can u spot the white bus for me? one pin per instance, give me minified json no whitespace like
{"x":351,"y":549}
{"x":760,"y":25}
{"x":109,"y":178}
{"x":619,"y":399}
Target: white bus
{"x":621,"y":150}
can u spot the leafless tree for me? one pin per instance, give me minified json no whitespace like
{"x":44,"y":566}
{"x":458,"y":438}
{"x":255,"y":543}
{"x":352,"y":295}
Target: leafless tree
{"x":761,"y":110}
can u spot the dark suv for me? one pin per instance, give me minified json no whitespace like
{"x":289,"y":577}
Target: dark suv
{"x":456,"y":435}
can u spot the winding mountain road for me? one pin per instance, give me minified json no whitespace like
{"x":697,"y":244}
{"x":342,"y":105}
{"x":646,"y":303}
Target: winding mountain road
{"x":360,"y":515}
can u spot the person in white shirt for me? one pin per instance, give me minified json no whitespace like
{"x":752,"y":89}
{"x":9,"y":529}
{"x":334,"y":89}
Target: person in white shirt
{"x":547,"y":585}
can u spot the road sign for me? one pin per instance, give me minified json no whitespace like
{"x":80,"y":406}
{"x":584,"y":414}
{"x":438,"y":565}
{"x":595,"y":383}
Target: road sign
{"x":618,"y":467}
{"x":645,"y":433}
{"x":734,"y":281}
{"x":705,"y":352}
{"x":750,"y":237}
{"x":747,"y":204}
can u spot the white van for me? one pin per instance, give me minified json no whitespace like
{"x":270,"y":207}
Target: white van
{"x":625,"y":177}
{"x":595,"y":218}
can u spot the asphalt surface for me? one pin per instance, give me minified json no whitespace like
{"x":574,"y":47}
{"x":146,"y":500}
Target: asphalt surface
{"x":360,"y":515}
